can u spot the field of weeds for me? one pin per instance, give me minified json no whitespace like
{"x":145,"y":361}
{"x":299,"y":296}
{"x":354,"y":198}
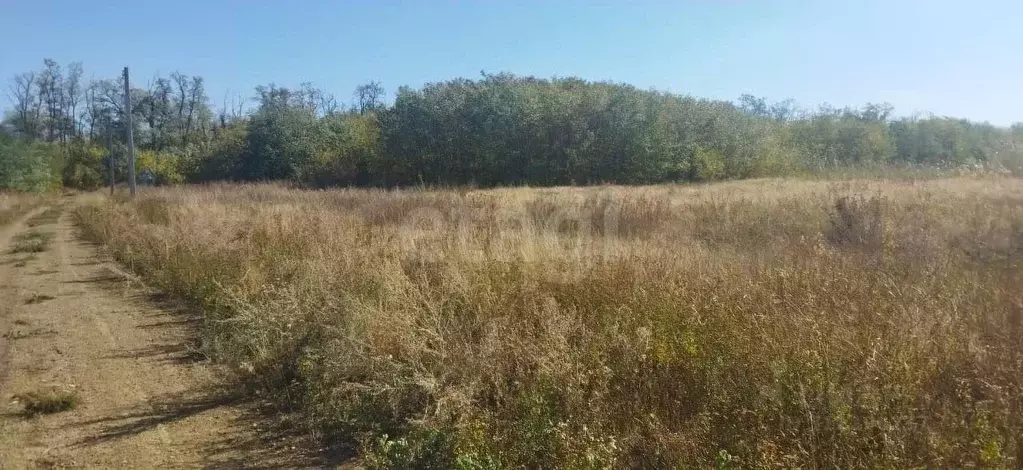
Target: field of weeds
{"x":766,"y":323}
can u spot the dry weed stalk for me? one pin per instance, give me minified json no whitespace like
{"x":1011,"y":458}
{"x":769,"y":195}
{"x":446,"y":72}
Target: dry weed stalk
{"x":761,"y":323}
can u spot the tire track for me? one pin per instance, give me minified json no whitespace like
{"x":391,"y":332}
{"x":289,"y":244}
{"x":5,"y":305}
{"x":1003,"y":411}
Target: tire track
{"x":8,"y":292}
{"x":146,"y":402}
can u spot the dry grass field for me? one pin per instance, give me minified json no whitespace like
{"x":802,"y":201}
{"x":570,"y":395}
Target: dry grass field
{"x":13,"y":205}
{"x":764,"y":323}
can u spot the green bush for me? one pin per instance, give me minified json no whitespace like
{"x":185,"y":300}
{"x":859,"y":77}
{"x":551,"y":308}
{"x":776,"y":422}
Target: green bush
{"x":84,"y":166}
{"x":28,"y":166}
{"x":165,"y":168}
{"x":708,"y":164}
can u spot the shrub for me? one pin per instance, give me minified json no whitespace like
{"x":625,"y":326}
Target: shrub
{"x":47,"y":401}
{"x":31,"y":242}
{"x":163,"y":168}
{"x":856,"y":222}
{"x":29,"y":166}
{"x":85,"y":166}
{"x":708,"y":164}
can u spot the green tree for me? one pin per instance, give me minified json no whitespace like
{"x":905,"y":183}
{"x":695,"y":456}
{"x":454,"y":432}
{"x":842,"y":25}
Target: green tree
{"x":27,"y":165}
{"x":281,"y":136}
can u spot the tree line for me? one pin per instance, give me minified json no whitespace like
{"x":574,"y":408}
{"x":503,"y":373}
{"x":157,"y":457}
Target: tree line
{"x":498,"y":129}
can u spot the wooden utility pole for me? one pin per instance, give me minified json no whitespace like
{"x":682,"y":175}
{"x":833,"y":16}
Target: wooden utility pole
{"x":110,"y":156}
{"x":131,"y":138}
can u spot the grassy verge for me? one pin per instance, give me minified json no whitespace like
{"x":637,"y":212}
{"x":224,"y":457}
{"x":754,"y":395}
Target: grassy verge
{"x":771,"y":323}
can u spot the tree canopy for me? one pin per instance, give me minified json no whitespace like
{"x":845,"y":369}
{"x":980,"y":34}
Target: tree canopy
{"x":498,"y":129}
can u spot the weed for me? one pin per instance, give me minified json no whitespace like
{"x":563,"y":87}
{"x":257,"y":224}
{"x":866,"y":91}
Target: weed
{"x":39,"y":298}
{"x":31,"y":242}
{"x":856,"y":222}
{"x":739,"y":324}
{"x":47,"y":401}
{"x":19,"y":334}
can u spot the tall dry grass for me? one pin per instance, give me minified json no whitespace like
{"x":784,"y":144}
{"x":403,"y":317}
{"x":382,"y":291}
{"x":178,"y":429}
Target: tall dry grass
{"x":767,"y":323}
{"x":14,"y":205}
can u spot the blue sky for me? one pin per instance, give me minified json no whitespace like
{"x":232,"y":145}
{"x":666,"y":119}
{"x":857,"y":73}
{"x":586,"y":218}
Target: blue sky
{"x":959,"y":58}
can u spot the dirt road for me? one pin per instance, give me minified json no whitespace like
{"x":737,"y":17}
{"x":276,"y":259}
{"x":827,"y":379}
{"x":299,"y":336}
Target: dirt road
{"x":73,"y":322}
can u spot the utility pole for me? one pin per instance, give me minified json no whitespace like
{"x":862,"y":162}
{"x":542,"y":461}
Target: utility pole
{"x":131,"y":138}
{"x":110,"y":156}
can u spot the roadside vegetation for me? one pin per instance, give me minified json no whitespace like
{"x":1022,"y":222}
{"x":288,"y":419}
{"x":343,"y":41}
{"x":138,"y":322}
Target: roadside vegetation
{"x":763,"y":323}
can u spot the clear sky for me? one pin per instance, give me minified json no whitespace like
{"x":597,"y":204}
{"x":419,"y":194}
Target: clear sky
{"x":959,"y":58}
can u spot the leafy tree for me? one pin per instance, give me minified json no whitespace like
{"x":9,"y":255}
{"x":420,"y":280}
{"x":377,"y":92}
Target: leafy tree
{"x":369,"y":97}
{"x":85,"y":166}
{"x":347,"y":151}
{"x":498,"y":129}
{"x":27,"y":165}
{"x":165,"y":168}
{"x":219,"y":158}
{"x":281,"y":136}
